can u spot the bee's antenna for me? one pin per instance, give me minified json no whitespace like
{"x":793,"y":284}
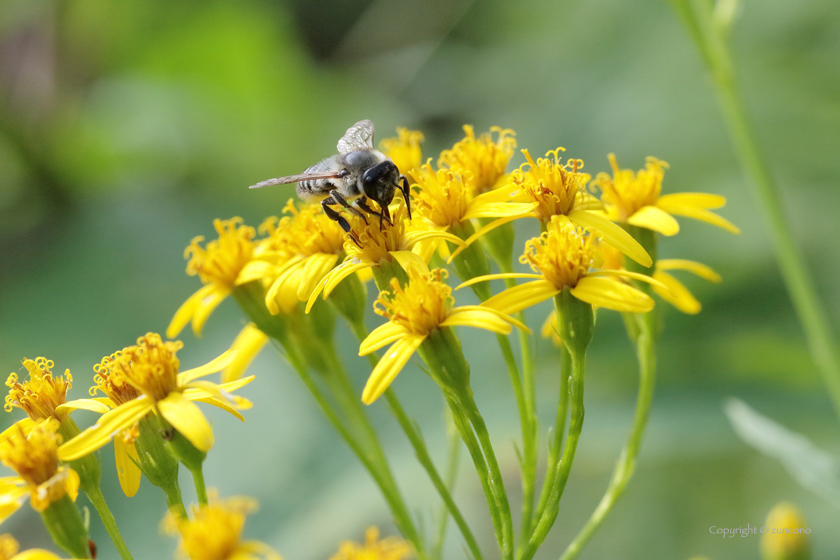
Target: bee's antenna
{"x":406,"y":190}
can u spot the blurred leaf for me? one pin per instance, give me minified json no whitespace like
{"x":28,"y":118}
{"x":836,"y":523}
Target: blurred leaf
{"x":811,"y":467}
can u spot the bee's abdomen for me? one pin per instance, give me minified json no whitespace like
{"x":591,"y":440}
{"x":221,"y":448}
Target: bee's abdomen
{"x":314,"y":189}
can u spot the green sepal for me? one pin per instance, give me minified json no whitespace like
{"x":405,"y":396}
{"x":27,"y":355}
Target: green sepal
{"x":66,"y":527}
{"x":575,"y":321}
{"x":88,"y":467}
{"x":251,"y":298}
{"x":471,"y":262}
{"x":499,"y":243}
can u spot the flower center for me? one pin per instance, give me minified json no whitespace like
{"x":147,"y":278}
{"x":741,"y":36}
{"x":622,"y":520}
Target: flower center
{"x":371,"y":244}
{"x":39,"y":396}
{"x":563,"y":253}
{"x":626,"y":192}
{"x":391,"y":548}
{"x":422,"y":305}
{"x":444,"y":196}
{"x":110,"y":381}
{"x":215,"y":530}
{"x":551,"y":185}
{"x":222,"y":259}
{"x":34,"y":456}
{"x":483,"y":159}
{"x":151,"y":366}
{"x":306,"y":231}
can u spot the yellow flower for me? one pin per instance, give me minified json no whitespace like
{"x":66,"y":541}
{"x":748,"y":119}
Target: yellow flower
{"x":482,"y":161}
{"x":414,"y":311}
{"x":634,"y":198}
{"x":215,"y":531}
{"x":9,"y":551}
{"x":787,"y":536}
{"x":34,"y":457}
{"x":218,"y":265}
{"x":151,"y":368}
{"x":390,"y":548}
{"x":247,"y":345}
{"x":404,"y":150}
{"x":369,"y":247}
{"x":563,"y":256}
{"x":558,"y":190}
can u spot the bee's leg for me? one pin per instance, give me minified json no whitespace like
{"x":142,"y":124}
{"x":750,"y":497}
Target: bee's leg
{"x":406,"y":190}
{"x":333,"y":215}
{"x":343,"y":201}
{"x":362,"y":203}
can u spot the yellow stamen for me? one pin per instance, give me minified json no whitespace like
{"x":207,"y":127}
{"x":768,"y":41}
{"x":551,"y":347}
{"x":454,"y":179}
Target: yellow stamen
{"x":222,"y":259}
{"x":444,"y":196}
{"x":554,"y":187}
{"x":151,"y":366}
{"x":369,"y":243}
{"x":422,"y":305}
{"x":390,"y":548}
{"x":628,"y":192}
{"x":110,"y":381}
{"x":39,"y":396}
{"x":563,"y":254}
{"x":483,"y":159}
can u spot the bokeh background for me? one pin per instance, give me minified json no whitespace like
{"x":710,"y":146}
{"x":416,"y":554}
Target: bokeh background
{"x":127,"y":127}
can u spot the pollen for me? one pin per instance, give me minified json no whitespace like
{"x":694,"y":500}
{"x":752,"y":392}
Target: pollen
{"x":371,"y":243}
{"x":306,"y":231}
{"x":108,"y":378}
{"x":552,"y":185}
{"x":390,"y":548}
{"x":214,"y":532}
{"x":563,"y":254}
{"x":483,"y":159}
{"x":422,"y":305}
{"x":404,"y":150}
{"x":626,"y":191}
{"x":443,"y":197}
{"x":222,"y":259}
{"x":33,"y":456}
{"x":39,"y":396}
{"x":151,"y":367}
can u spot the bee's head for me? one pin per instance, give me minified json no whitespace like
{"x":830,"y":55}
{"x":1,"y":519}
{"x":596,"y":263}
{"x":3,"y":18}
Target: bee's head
{"x":380,"y":181}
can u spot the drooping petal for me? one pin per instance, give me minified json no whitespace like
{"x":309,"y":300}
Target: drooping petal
{"x":610,"y":294}
{"x":83,"y":404}
{"x":217,"y":364}
{"x":700,"y":269}
{"x":585,"y":201}
{"x":613,"y":234}
{"x":676,"y":294}
{"x":522,"y":296}
{"x":317,"y":266}
{"x":655,"y":219}
{"x":127,"y":471}
{"x":187,"y":310}
{"x":627,"y":274}
{"x":248,"y":344}
{"x":71,"y":484}
{"x":500,"y":314}
{"x":414,"y":237}
{"x":207,"y":306}
{"x":499,"y":276}
{"x":479,"y":318}
{"x":699,"y":214}
{"x":382,"y":335}
{"x":35,"y":554}
{"x":255,"y":270}
{"x":700,"y":200}
{"x":188,"y":419}
{"x":389,"y":366}
{"x":26,"y":424}
{"x":498,"y":209}
{"x":10,"y":501}
{"x":213,"y":390}
{"x":218,"y":403}
{"x":489,"y":227}
{"x":121,"y":418}
{"x":408,"y":258}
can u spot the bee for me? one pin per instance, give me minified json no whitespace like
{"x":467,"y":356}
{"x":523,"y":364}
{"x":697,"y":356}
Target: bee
{"x":357,"y":173}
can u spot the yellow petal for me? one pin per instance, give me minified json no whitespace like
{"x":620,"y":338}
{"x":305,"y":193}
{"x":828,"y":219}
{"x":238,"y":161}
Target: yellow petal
{"x":499,"y":276}
{"x":612,"y":234}
{"x":621,"y":273}
{"x":655,"y":219}
{"x":187,"y":418}
{"x":127,"y":470}
{"x":498,"y":209}
{"x":217,"y":364}
{"x":500,"y":314}
{"x":207,"y":306}
{"x":121,"y":418}
{"x":248,"y":344}
{"x":522,"y":296}
{"x":700,"y":200}
{"x":408,"y":259}
{"x":389,"y":366}
{"x":700,"y":269}
{"x":482,"y":319}
{"x":585,"y":201}
{"x":317,"y":266}
{"x":676,"y":294}
{"x":25,"y":424}
{"x":255,"y":270}
{"x":382,"y":335}
{"x":35,"y":554}
{"x":610,"y":294}
{"x":219,"y":392}
{"x":71,"y":484}
{"x":699,"y":214}
{"x":187,"y":310}
{"x":491,"y":226}
{"x":414,"y":237}
{"x":10,"y":500}
{"x":335,"y":277}
{"x":83,"y":404}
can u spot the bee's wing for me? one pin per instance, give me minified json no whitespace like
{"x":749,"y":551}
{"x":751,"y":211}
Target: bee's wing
{"x":296,"y":179}
{"x":358,"y":137}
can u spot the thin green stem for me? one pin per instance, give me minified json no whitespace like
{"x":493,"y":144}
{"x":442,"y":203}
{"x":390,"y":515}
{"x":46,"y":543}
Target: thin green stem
{"x":624,"y":468}
{"x":98,"y":500}
{"x":451,"y":477}
{"x":555,"y":446}
{"x":174,"y":501}
{"x":200,"y":489}
{"x":712,"y":40}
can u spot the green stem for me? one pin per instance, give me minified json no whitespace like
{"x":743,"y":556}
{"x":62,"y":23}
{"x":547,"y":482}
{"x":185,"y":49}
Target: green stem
{"x":451,"y":477}
{"x":555,"y":446}
{"x":98,"y":500}
{"x":174,"y":501}
{"x":624,"y":468}
{"x":711,"y":38}
{"x":200,"y":489}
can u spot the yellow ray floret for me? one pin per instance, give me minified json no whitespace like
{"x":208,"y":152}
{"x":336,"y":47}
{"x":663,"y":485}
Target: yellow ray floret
{"x":152,"y":368}
{"x":414,"y":311}
{"x":562,"y":257}
{"x":636,"y":199}
{"x":374,"y":548}
{"x":9,"y":551}
{"x":482,"y":161}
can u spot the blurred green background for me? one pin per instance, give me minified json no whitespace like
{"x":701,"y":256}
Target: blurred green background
{"x":126,"y":127}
